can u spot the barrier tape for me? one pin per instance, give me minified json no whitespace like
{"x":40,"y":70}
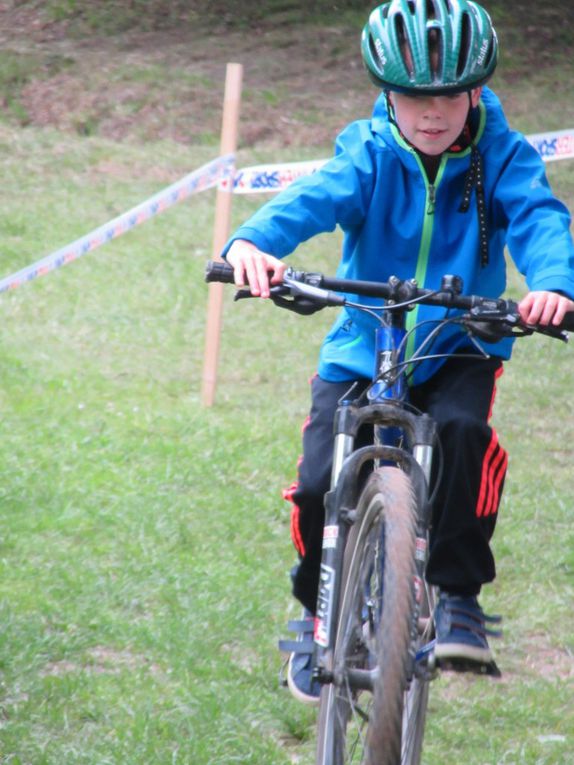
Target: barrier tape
{"x":272,"y":178}
{"x":553,"y":146}
{"x":257,"y":179}
{"x":205,"y":177}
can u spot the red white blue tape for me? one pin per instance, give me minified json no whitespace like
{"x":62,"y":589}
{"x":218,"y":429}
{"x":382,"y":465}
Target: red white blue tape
{"x":272,"y":178}
{"x":220,"y":172}
{"x":553,"y":146}
{"x":205,"y":177}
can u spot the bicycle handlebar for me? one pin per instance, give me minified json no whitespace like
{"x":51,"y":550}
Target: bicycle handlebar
{"x":306,"y":293}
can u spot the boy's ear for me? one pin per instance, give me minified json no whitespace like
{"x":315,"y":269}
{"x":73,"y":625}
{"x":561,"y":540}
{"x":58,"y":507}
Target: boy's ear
{"x":475,"y":94}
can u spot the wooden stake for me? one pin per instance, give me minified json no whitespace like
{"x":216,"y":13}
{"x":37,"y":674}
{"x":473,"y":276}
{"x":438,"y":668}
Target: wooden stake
{"x":221,"y":231}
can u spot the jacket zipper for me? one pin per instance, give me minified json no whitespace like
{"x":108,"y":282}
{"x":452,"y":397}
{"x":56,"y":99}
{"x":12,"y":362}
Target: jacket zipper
{"x":431,"y":198}
{"x":424,"y":249}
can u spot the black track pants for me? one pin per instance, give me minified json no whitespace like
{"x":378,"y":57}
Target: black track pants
{"x":460,"y":398}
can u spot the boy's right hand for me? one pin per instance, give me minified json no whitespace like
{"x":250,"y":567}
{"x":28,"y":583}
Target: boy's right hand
{"x":253,"y":267}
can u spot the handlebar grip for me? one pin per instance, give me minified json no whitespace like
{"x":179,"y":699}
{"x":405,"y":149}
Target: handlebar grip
{"x":218,"y":271}
{"x":567,"y":323}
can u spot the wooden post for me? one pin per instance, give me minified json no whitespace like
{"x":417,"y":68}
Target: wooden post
{"x":221,"y":230}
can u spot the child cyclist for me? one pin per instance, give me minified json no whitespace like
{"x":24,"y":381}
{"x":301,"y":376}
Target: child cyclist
{"x":434,"y":183}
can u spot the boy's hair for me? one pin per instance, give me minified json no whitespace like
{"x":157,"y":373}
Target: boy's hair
{"x":431,"y":46}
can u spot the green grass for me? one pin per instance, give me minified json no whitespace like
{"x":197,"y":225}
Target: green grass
{"x":133,"y":520}
{"x":144,"y":544}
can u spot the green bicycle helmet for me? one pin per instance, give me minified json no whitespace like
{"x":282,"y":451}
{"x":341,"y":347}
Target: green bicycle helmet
{"x":437,"y":47}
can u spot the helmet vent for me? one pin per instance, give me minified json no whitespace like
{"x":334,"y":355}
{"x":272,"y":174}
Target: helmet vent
{"x":404,"y":45}
{"x":464,"y":48}
{"x":489,"y":54}
{"x":374,"y":52}
{"x":435,"y":47}
{"x":431,"y":10}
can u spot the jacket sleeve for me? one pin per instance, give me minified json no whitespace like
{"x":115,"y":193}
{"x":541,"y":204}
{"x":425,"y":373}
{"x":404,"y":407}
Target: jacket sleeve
{"x":336,"y":194}
{"x":537,"y":224}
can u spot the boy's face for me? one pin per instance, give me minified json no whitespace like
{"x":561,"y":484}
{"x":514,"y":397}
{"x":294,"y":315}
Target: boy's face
{"x":432,"y":123}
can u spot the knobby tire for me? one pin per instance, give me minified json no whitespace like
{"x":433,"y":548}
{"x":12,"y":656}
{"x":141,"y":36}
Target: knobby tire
{"x":375,"y":633}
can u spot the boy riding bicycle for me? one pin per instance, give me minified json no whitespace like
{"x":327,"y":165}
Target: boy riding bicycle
{"x":435,"y":182}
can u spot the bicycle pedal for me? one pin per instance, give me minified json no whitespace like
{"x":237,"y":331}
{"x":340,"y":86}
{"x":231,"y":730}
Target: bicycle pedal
{"x":425,"y":666}
{"x":456,"y":664}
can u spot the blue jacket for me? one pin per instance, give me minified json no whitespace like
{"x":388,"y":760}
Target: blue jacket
{"x":396,"y":223}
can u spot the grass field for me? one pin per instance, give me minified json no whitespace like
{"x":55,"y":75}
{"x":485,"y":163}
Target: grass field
{"x":144,"y":546}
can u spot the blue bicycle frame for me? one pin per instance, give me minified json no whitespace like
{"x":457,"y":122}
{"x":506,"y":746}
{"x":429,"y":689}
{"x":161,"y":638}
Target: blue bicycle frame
{"x":389,"y":351}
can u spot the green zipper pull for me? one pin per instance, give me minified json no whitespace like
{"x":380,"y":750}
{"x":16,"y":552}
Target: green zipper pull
{"x":431,"y":200}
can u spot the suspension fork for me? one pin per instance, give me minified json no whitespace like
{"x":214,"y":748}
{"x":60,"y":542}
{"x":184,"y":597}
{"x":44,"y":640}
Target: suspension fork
{"x":420,"y":433}
{"x":423,"y":454}
{"x":340,"y":504}
{"x":334,"y":538}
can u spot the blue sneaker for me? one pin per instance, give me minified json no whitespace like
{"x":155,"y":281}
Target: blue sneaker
{"x":461,"y":634}
{"x":300,"y":679}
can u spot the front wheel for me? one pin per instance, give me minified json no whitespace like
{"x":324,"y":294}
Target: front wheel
{"x":366,"y":713}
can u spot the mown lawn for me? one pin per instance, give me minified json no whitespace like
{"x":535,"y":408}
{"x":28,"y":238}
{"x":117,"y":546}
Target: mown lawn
{"x":144,"y":544}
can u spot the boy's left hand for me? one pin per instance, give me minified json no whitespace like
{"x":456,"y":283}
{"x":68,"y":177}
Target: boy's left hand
{"x":544,"y":308}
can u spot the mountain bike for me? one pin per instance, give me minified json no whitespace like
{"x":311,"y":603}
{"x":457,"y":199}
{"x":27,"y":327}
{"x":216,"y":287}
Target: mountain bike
{"x":374,"y":630}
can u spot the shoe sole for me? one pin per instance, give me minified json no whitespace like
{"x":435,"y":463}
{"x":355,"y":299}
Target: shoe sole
{"x":297,"y":693}
{"x":468,"y":666}
{"x":464,"y":652}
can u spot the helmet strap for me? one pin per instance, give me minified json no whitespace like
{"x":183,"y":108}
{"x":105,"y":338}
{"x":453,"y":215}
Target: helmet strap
{"x":391,"y":111}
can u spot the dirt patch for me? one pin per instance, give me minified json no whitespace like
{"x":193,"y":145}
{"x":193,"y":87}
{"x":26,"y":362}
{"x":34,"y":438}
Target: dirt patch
{"x":548,"y":661}
{"x":299,"y":87}
{"x":303,"y":82}
{"x":535,"y":657}
{"x":101,"y":660}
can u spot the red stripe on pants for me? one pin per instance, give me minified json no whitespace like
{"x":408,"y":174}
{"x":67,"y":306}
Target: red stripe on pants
{"x":493,"y":472}
{"x":295,"y":512}
{"x":296,"y":535}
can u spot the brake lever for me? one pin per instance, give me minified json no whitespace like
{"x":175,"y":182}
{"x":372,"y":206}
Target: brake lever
{"x":244,"y":294}
{"x":297,"y":303}
{"x":492,"y":326}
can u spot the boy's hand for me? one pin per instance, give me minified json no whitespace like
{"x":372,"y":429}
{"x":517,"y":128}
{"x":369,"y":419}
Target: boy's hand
{"x":254,"y":267}
{"x":544,"y":308}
